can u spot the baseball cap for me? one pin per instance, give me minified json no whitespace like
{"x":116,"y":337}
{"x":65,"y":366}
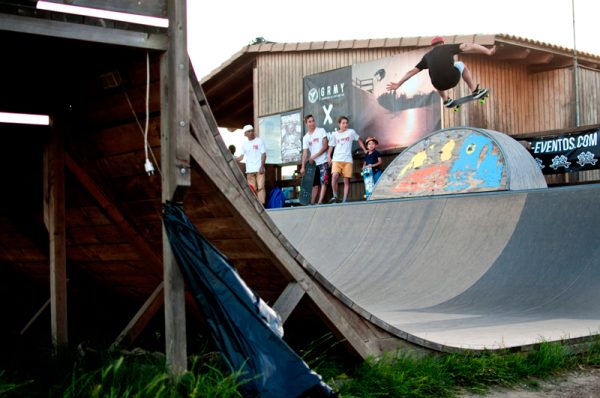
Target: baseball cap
{"x":247,"y":128}
{"x":436,"y":40}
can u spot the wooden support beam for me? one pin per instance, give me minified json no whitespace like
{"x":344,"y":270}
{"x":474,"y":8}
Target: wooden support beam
{"x":35,"y":317}
{"x":54,"y":204}
{"x":176,"y":175}
{"x":76,"y":31}
{"x":138,"y":323}
{"x":288,"y":300}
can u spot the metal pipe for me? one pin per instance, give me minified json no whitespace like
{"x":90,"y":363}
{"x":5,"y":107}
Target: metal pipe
{"x":575,"y":67}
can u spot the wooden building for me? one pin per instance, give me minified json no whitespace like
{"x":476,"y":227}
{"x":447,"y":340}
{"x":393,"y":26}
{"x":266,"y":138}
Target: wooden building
{"x":532,"y":84}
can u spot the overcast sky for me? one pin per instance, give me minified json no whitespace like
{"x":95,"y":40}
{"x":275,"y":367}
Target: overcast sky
{"x":217,"y":29}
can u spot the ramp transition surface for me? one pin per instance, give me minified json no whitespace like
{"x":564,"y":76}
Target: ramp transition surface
{"x":476,"y":271}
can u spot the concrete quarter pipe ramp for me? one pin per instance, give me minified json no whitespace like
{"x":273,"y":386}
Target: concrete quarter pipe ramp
{"x":477,"y":271}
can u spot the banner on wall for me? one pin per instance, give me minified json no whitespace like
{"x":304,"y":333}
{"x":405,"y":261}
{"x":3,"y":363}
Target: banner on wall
{"x":397,"y":119}
{"x":327,"y":97}
{"x":567,"y":153}
{"x":282,"y":135}
{"x":269,"y":130}
{"x":291,"y":137}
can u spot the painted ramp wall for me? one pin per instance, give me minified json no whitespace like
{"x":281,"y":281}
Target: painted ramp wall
{"x":490,"y":270}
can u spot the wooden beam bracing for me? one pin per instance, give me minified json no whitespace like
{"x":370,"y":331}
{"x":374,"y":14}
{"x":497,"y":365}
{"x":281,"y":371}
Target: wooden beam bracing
{"x":288,"y":300}
{"x":54,"y":203}
{"x":144,"y":315}
{"x":94,"y":34}
{"x":176,"y":174}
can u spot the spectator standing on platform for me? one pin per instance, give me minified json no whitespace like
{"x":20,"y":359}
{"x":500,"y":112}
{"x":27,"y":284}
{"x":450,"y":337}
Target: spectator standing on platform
{"x":341,"y":161}
{"x":373,"y":157}
{"x":314,"y":150}
{"x":256,"y":155}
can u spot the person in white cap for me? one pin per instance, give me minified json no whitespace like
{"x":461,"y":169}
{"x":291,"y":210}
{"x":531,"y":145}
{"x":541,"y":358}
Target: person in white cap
{"x":256,"y":155}
{"x":443,"y":71}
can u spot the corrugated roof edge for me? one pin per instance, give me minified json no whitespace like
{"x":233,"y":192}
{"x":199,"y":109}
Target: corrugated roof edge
{"x":419,"y":41}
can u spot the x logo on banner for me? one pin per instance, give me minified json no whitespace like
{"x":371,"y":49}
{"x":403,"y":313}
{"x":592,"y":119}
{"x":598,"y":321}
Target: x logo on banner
{"x":328,"y":114}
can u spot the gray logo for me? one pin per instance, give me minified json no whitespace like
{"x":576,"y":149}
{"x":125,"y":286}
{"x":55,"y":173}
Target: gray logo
{"x":313,"y":95}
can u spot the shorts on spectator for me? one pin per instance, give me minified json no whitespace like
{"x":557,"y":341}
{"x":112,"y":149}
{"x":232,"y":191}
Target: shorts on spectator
{"x":343,"y":168}
{"x":321,"y":175}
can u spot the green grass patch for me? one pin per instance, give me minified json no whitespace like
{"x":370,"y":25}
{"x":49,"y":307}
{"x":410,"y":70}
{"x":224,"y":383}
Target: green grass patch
{"x":442,"y":375}
{"x":446,"y":375}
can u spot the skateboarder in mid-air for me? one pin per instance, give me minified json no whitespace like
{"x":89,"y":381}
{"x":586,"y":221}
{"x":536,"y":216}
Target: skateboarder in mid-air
{"x":444,"y":72}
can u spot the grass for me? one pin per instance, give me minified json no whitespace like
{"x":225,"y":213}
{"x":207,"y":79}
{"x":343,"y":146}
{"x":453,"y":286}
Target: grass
{"x":134,"y":377}
{"x":446,"y":375}
{"x":140,"y":376}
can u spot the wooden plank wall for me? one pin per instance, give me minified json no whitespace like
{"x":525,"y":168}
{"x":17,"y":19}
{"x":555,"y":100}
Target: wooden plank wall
{"x":280,"y":74}
{"x":521,"y":102}
{"x":589,"y":96}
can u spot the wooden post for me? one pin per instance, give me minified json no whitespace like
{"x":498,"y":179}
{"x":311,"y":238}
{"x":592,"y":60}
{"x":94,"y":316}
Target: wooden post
{"x":54,"y":215}
{"x":288,"y":300}
{"x":175,"y":160}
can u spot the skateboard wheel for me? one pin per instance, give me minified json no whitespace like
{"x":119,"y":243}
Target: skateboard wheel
{"x":456,"y":109}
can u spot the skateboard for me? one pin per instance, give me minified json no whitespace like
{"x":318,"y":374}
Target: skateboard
{"x":459,"y":101}
{"x":306,"y":184}
{"x":367,"y":174}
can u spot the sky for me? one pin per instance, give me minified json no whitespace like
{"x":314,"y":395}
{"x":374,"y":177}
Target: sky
{"x":217,"y":29}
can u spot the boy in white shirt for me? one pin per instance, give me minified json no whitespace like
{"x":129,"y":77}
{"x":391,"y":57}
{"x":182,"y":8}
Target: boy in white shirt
{"x":341,"y":162}
{"x":314,"y":148}
{"x":256,"y":155}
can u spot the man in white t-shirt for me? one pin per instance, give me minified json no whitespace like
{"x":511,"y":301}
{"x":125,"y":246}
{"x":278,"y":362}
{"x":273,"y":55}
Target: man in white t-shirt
{"x":256,"y":155}
{"x":341,"y":162}
{"x":314,"y":150}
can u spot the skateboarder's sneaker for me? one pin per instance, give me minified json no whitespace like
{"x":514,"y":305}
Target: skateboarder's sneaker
{"x":448,"y":103}
{"x":333,"y":200}
{"x":479,"y":92}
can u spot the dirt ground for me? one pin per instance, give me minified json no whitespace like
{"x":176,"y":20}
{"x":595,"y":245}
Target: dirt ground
{"x":582,"y":383}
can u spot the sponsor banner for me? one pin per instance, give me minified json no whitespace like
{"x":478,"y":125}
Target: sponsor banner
{"x":567,"y":153}
{"x":326,"y":97}
{"x":398,"y":119}
{"x":291,"y":137}
{"x":269,"y":129}
{"x":282,"y":135}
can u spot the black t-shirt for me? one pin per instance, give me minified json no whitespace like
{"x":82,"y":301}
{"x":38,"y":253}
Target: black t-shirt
{"x":440,"y":62}
{"x":372,"y":158}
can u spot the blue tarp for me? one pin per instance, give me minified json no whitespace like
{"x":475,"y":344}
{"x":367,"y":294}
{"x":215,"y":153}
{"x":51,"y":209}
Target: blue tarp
{"x":245,"y":329}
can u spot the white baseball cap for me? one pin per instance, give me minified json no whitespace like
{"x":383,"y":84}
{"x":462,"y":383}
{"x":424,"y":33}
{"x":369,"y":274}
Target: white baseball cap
{"x":247,"y":128}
